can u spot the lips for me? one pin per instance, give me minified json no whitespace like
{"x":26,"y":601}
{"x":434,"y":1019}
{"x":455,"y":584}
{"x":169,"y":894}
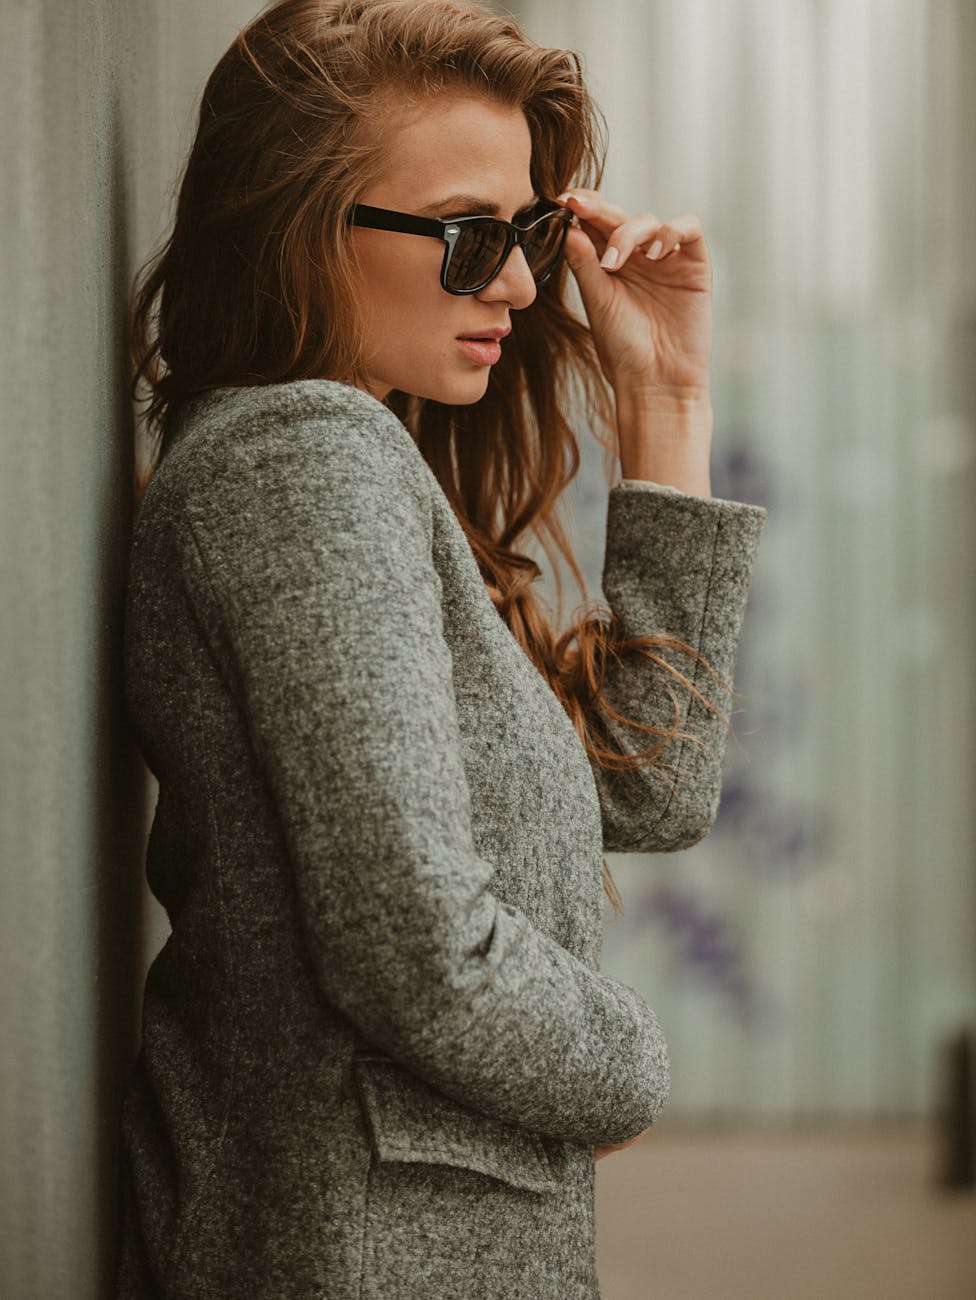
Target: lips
{"x":483,"y":352}
{"x":488,"y":336}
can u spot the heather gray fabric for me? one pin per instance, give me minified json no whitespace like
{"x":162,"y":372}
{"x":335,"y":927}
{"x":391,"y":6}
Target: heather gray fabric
{"x":377,"y":1050}
{"x":648,"y":483}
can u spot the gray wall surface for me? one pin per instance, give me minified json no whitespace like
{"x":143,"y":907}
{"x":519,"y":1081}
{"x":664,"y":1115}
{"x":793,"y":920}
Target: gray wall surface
{"x":98,"y":99}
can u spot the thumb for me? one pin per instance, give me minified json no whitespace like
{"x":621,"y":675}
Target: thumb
{"x":584,"y":262}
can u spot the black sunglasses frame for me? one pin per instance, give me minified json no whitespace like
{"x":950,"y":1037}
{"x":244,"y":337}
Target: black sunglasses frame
{"x":449,"y":230}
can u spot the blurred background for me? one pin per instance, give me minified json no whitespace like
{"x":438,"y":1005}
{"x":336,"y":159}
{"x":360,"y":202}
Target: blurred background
{"x":813,"y":960}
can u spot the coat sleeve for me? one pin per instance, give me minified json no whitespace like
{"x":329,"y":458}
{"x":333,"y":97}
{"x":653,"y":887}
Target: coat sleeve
{"x":648,"y":485}
{"x":314,"y":576}
{"x":680,"y":564}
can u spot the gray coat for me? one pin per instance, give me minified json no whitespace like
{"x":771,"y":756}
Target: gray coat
{"x":377,"y":1051}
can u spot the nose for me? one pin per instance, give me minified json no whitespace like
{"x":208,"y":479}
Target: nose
{"x":513,"y":283}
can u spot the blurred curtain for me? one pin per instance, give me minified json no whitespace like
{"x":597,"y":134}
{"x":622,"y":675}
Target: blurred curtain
{"x":808,"y":958}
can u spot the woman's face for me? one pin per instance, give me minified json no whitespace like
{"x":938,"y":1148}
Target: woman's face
{"x":454,"y":145}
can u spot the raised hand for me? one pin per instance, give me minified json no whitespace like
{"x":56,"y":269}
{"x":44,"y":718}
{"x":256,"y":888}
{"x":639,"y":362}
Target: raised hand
{"x":650,"y":311}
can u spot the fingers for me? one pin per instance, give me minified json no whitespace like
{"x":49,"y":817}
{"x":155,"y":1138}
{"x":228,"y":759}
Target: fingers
{"x":669,"y":237}
{"x":651,"y":237}
{"x":624,"y":234}
{"x":592,"y":206}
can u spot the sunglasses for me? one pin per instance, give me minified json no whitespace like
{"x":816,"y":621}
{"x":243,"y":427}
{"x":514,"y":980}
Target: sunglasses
{"x":477,"y":247}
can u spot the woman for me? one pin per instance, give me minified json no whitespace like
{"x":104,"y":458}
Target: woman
{"x":378,"y":1057}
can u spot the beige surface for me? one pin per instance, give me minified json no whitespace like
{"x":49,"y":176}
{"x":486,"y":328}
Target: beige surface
{"x":828,"y":1214}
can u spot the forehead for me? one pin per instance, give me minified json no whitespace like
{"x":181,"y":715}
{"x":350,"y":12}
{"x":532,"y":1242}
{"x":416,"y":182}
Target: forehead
{"x":454,"y":144}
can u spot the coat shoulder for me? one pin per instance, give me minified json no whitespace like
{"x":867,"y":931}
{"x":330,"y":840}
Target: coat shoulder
{"x":272,"y":440}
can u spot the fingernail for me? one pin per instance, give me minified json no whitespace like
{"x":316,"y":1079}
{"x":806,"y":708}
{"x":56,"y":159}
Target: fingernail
{"x":655,"y":249}
{"x":610,"y":257}
{"x":564,"y":198}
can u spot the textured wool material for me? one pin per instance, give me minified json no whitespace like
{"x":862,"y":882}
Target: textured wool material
{"x":377,"y":1049}
{"x":648,"y":483}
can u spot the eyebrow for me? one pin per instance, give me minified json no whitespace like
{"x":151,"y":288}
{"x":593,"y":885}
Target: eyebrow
{"x":470,"y":205}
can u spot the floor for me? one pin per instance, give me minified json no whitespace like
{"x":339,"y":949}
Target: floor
{"x":691,"y":1214}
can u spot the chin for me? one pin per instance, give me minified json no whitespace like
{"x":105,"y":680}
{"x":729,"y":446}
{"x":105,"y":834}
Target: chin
{"x":463,"y":391}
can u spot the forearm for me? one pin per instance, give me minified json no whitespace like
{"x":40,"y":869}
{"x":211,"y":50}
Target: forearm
{"x":682,"y":565}
{"x":666,"y":438}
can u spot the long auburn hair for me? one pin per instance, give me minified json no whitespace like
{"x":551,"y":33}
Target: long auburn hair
{"x":256,"y":286}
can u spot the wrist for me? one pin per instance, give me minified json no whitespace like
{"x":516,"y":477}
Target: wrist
{"x":666,"y":437}
{"x":685,"y":397}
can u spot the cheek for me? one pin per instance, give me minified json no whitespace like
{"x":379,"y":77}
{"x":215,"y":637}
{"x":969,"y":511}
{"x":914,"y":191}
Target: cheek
{"x":402,"y":295}
{"x":396,"y":257}
{"x":410,"y":306}
{"x":417,"y":273}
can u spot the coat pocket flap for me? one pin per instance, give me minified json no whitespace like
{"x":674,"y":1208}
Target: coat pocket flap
{"x":411,"y":1121}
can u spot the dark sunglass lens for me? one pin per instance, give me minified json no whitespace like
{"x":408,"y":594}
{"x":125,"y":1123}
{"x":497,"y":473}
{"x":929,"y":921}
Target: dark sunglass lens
{"x":544,"y":243}
{"x":481,"y":245}
{"x":478,"y":251}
